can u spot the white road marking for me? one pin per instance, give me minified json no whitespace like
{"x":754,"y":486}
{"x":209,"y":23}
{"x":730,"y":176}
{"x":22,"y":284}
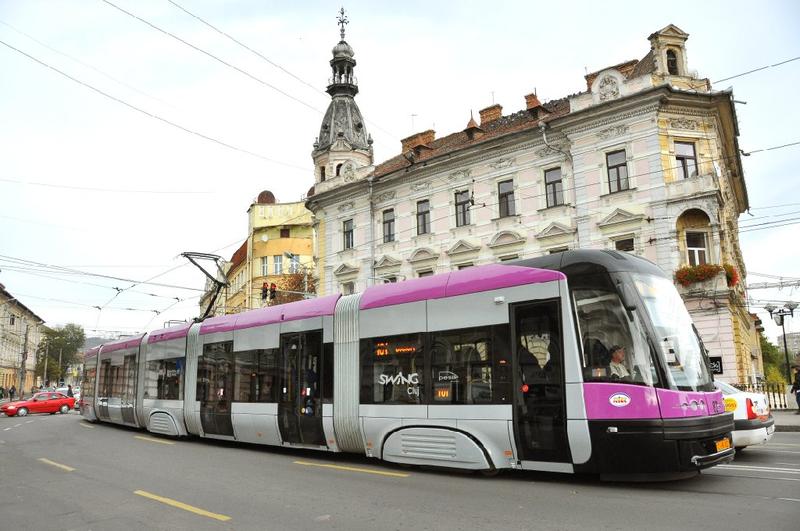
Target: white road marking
{"x":6,"y":429}
{"x":58,"y":465}
{"x":28,"y":421}
{"x":17,"y":425}
{"x":751,"y":477}
{"x":789,"y":499}
{"x":777,"y":470}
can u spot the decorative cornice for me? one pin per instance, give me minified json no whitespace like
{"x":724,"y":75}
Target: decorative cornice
{"x":423,"y":254}
{"x":619,"y":217}
{"x":345,"y":269}
{"x":386,"y":262}
{"x":555,"y":229}
{"x":503,"y":163}
{"x":344,"y":207}
{"x":506,"y":238}
{"x":462,"y":247}
{"x":613,"y":119}
{"x":418,"y":187}
{"x":460,"y":175}
{"x":616,"y":130}
{"x":683,"y":123}
{"x":385,"y":196}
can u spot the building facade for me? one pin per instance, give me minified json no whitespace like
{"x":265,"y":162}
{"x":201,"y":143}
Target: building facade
{"x":645,"y":160}
{"x":278,"y":249}
{"x":20,"y":334}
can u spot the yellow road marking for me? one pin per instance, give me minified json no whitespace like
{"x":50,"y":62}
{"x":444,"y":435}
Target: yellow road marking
{"x":84,"y":425}
{"x":354,"y":469}
{"x":151,"y":439}
{"x":59,"y":465}
{"x":184,"y":506}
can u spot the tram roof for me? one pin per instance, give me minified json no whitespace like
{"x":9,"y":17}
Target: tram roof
{"x":165,"y":334}
{"x":462,"y":282}
{"x":121,"y":344}
{"x":304,"y":309}
{"x":579,"y":260}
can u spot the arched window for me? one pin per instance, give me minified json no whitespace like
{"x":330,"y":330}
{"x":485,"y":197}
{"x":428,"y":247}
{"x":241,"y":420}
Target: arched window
{"x":694,"y":235}
{"x":322,"y":173}
{"x":672,"y":62}
{"x":338,"y":169}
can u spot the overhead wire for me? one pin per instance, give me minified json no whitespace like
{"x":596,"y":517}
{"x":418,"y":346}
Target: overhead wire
{"x":153,"y":115}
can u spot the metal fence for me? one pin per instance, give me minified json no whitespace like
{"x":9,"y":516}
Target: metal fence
{"x":777,"y":394}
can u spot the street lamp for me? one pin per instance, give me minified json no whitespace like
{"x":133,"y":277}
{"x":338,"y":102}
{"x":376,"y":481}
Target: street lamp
{"x":779,"y":315}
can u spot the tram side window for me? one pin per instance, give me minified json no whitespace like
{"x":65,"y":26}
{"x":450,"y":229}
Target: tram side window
{"x":256,"y":376}
{"x":327,"y":372}
{"x":129,"y":377}
{"x":471,"y":366}
{"x":392,"y":370}
{"x":214,"y":368}
{"x":104,"y":387}
{"x":164,"y":379}
{"x":87,"y":388}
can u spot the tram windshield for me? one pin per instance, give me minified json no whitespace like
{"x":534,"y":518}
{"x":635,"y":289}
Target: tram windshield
{"x":675,"y":336}
{"x":615,"y":347}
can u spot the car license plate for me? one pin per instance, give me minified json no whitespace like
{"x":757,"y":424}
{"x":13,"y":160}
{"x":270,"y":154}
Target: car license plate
{"x":723,"y":444}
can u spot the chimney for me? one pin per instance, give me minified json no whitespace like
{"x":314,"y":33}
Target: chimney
{"x":532,"y":102}
{"x":490,"y":114}
{"x":418,"y":139}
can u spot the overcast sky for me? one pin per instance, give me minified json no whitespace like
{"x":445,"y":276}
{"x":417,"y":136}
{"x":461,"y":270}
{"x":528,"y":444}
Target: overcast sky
{"x":94,"y":185}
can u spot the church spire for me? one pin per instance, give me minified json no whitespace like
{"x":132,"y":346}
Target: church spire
{"x":343,"y":123}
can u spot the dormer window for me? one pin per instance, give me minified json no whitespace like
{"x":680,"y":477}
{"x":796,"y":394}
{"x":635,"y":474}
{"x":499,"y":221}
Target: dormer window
{"x":672,"y":62}
{"x":338,"y":169}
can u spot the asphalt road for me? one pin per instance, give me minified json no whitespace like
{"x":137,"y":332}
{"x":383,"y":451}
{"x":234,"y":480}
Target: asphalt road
{"x":60,"y":472}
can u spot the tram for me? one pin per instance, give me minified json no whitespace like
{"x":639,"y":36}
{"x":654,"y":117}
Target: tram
{"x":503,"y":366}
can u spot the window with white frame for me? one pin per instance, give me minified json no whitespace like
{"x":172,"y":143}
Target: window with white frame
{"x":617,"y":165}
{"x":423,"y":217}
{"x":264,"y":266}
{"x":348,"y":288}
{"x":696,"y":248}
{"x":388,"y":225}
{"x":686,"y":159}
{"x":553,"y":187}
{"x":624,"y":244}
{"x":294,"y":264}
{"x":505,"y":194}
{"x":462,"y":208}
{"x":347,"y":234}
{"x":425,"y":273}
{"x":277,"y":264}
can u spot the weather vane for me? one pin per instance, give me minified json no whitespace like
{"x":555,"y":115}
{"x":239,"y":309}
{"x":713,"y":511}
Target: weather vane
{"x":342,"y":21}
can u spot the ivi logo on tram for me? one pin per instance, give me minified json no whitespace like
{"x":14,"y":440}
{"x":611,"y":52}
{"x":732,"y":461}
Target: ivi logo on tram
{"x":619,"y":400}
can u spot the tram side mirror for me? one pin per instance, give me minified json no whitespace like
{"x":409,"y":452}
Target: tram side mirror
{"x":627,"y":296}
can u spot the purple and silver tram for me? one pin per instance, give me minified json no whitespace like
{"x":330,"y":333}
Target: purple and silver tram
{"x":488,"y":368}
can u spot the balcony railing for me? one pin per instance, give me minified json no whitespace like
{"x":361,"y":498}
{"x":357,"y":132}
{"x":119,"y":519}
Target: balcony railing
{"x":776,"y":393}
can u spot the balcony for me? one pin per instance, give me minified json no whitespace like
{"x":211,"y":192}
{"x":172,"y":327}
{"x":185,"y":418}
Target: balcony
{"x":692,"y":187}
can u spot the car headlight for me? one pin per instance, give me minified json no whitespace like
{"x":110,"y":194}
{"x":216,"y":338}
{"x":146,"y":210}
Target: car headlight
{"x":12,"y":407}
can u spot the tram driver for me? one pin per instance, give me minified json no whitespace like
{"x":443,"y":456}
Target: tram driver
{"x":617,"y":369}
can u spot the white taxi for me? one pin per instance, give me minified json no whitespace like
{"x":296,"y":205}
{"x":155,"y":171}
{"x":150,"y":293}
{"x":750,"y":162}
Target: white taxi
{"x":752,"y":421}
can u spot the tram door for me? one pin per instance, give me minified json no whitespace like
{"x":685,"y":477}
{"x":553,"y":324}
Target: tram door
{"x":300,"y":402}
{"x":540,"y":423}
{"x":215,"y":372}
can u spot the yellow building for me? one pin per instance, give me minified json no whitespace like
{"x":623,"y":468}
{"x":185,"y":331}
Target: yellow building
{"x":20,"y":334}
{"x":278,"y":249}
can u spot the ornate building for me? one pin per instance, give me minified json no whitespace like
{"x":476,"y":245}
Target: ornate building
{"x":20,"y":332}
{"x":278,"y":245}
{"x":644,"y":160}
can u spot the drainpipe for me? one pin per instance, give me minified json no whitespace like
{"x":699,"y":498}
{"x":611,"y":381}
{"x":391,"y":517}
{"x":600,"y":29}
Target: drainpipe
{"x":371,"y":181}
{"x":543,"y":129}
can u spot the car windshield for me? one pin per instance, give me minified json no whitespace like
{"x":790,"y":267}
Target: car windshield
{"x":605,"y":328}
{"x":726,"y":389}
{"x":680,"y":348}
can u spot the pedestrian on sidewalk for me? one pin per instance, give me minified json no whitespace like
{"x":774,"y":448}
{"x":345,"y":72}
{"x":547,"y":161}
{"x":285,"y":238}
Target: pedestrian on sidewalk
{"x":69,"y":391}
{"x":11,"y":392}
{"x":796,"y":388}
{"x":2,"y":392}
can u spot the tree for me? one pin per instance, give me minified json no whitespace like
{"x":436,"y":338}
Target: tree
{"x":292,"y":286}
{"x":67,"y":341}
{"x":774,"y":361}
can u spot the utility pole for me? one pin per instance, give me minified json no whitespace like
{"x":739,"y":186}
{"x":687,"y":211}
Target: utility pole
{"x":46,"y":357}
{"x":59,"y":365}
{"x":22,"y":365}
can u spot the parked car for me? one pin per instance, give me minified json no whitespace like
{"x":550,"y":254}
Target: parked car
{"x":752,"y":421}
{"x":48,"y":402}
{"x":76,"y":392}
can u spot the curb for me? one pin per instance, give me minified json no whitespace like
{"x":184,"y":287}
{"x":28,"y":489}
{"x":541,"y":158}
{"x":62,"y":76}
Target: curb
{"x":787,"y":428}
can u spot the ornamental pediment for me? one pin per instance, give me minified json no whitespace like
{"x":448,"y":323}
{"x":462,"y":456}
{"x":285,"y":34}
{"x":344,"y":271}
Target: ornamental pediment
{"x":423,"y":254}
{"x":462,"y":247}
{"x":506,"y":238}
{"x":345,"y":269}
{"x":618,"y":217}
{"x":386,"y":262}
{"x":554,"y":230}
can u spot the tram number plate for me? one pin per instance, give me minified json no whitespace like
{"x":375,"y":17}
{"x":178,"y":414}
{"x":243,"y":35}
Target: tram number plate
{"x":723,"y":444}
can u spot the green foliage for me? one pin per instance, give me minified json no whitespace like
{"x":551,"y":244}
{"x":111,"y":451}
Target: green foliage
{"x":67,"y":341}
{"x":774,"y":361}
{"x":773,"y":374}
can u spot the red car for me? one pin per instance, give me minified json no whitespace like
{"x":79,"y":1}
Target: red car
{"x":39,"y":403}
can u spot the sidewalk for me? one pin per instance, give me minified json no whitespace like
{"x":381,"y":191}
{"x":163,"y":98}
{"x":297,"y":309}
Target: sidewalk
{"x":786,"y":419}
